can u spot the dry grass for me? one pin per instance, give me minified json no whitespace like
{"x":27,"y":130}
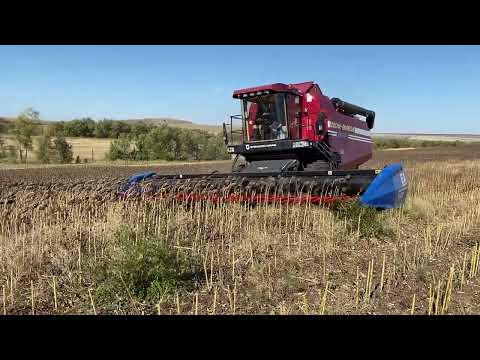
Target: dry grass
{"x":80,"y":146}
{"x":57,"y":257}
{"x":84,"y":147}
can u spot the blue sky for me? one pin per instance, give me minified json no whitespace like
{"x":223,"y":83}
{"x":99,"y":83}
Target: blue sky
{"x":433,"y":89}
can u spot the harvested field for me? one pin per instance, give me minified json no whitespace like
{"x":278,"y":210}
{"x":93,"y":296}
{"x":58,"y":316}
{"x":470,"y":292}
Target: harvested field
{"x":430,"y":137}
{"x":67,"y":247}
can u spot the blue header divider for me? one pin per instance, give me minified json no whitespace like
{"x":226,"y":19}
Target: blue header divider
{"x":388,"y":190}
{"x":136,"y":179}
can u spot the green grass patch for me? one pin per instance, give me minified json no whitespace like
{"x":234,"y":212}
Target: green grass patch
{"x":145,"y":269}
{"x":368,"y":222}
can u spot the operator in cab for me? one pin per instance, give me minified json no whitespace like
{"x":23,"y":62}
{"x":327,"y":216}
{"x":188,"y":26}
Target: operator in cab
{"x":272,"y":128}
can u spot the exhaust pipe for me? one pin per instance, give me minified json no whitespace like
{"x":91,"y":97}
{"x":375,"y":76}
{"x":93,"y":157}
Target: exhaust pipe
{"x":351,"y":109}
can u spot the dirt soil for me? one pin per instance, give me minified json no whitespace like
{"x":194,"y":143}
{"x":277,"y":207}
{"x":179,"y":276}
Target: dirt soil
{"x":101,"y":182}
{"x":112,"y":174}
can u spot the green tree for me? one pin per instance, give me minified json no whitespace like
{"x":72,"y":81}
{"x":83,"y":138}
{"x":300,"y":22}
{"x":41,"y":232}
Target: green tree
{"x":103,"y":128}
{"x":23,"y":130}
{"x":140,"y":128}
{"x":44,"y":149}
{"x":120,"y":148}
{"x":119,"y":128}
{"x":174,"y":143}
{"x":153,"y":145}
{"x":164,"y":143}
{"x":140,"y":147}
{"x":214,"y":149}
{"x":167,"y":143}
{"x":3,"y":153}
{"x":80,"y":128}
{"x":57,"y":128}
{"x":6,"y":125}
{"x":63,"y":153}
{"x":192,"y":144}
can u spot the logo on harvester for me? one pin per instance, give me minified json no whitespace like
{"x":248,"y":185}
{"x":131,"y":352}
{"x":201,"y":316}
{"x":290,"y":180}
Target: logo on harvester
{"x":343,"y":127}
{"x":300,"y":144}
{"x":248,"y":146}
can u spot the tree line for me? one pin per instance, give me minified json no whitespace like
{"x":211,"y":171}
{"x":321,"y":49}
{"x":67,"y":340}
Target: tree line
{"x":84,"y":127}
{"x":130,"y":141}
{"x":87,"y":127}
{"x":168,"y":143}
{"x":142,"y":141}
{"x":51,"y":146}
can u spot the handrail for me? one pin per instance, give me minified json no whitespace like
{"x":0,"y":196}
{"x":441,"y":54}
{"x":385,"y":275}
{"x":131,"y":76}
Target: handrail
{"x":235,"y":117}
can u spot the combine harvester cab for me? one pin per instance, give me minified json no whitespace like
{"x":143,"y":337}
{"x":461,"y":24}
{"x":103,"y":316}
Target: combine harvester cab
{"x":299,"y":146}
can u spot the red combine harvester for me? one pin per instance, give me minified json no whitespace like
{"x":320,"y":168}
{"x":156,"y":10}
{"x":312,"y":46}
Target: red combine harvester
{"x":297,"y":146}
{"x":296,"y":127}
